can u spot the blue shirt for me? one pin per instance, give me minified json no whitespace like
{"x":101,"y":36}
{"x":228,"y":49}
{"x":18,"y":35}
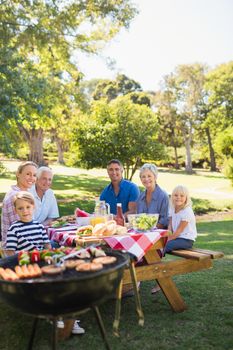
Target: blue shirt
{"x":129,"y":192}
{"x":159,"y":204}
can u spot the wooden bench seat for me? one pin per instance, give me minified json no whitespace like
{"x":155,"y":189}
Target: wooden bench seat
{"x":197,"y":254}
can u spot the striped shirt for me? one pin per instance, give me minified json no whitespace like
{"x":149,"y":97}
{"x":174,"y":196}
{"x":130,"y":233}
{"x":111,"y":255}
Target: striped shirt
{"x":26,"y":236}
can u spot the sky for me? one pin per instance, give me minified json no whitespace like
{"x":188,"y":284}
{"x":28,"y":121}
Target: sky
{"x":164,"y":34}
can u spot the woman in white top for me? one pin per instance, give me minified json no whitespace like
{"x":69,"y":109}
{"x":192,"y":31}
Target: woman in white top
{"x":182,"y":221}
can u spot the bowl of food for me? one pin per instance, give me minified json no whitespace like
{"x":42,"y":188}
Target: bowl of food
{"x":143,"y":222}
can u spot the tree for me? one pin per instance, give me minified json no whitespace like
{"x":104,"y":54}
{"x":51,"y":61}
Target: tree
{"x":110,"y":89}
{"x":189,"y":80}
{"x":119,"y":129}
{"x":165,"y":104}
{"x":38,"y":39}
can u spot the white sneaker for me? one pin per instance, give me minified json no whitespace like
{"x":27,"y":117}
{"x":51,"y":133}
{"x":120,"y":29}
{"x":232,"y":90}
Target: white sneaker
{"x":60,"y":324}
{"x":77,"y":329}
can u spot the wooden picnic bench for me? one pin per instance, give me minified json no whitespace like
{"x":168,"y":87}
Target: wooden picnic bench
{"x":162,"y":271}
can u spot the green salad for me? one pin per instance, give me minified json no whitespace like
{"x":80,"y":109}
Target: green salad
{"x":144,"y":222}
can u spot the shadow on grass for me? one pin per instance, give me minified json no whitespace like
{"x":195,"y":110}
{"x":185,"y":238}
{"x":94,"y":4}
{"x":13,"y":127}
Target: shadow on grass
{"x":82,"y":182}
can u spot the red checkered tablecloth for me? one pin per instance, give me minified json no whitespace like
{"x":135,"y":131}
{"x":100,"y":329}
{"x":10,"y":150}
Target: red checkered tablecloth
{"x":136,"y":243}
{"x":63,"y":235}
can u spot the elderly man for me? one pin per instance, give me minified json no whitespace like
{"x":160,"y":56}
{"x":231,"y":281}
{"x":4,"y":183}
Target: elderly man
{"x":119,"y":190}
{"x":46,"y":209}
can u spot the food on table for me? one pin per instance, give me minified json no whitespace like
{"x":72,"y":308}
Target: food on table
{"x":105,"y":229}
{"x":59,"y":223}
{"x":51,"y":269}
{"x":143,"y":222}
{"x":110,"y":228}
{"x":105,"y":260}
{"x":63,"y":221}
{"x":85,"y":231}
{"x":120,"y":230}
{"x":98,"y":229}
{"x":81,"y":213}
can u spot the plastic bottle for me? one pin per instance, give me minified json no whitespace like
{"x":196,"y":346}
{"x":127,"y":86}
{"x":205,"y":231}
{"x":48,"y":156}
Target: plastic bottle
{"x":120,"y":219}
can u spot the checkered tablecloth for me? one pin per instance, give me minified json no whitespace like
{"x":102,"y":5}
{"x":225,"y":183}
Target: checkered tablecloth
{"x":63,"y":235}
{"x":136,"y":243}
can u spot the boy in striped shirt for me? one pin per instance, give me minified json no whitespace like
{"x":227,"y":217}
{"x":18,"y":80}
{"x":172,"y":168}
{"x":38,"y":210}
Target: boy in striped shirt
{"x":25,"y":234}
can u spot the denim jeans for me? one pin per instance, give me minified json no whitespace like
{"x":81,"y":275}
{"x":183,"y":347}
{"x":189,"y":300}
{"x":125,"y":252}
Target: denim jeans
{"x":178,"y":243}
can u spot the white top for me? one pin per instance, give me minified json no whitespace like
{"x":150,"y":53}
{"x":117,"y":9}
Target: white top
{"x":47,"y":207}
{"x":186,"y":214}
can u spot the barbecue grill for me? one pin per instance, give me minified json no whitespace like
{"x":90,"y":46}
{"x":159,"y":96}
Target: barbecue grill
{"x":68,"y":293}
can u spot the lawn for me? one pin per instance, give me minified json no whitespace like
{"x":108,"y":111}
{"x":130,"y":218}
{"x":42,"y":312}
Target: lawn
{"x":79,"y":187}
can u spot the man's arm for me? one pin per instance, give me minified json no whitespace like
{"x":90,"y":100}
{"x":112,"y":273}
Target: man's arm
{"x":132,"y":206}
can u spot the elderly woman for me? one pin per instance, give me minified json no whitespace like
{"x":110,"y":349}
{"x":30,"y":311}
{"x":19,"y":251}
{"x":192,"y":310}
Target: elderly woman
{"x":26,"y":177}
{"x":153,"y":199}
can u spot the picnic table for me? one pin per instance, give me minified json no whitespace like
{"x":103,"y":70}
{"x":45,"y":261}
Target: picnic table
{"x":147,"y":246}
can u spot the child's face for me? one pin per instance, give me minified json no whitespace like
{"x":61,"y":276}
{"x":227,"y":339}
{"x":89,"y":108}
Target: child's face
{"x":179,"y":199}
{"x":24,"y":209}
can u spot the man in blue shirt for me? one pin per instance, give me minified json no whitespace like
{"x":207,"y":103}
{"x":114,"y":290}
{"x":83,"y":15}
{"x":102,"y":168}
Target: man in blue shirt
{"x":119,"y":190}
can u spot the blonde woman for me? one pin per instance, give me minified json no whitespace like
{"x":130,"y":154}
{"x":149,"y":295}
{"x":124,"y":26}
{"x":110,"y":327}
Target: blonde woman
{"x":182,"y":221}
{"x":26,"y":177}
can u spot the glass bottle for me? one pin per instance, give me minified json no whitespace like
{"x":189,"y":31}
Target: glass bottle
{"x":97,"y":206}
{"x":120,"y":219}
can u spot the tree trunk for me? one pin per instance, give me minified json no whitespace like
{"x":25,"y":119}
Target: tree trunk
{"x":176,"y":158}
{"x":59,"y":150}
{"x":134,"y":168}
{"x":211,"y":150}
{"x":188,"y":158}
{"x":36,"y":146}
{"x":34,"y":138}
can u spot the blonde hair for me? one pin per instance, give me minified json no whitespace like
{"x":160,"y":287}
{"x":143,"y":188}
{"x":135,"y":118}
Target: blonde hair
{"x":24,"y":164}
{"x":24,"y":195}
{"x":182,"y":190}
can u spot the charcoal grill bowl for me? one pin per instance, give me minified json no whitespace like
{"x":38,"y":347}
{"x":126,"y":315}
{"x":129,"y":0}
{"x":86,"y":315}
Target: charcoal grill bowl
{"x":66,"y":293}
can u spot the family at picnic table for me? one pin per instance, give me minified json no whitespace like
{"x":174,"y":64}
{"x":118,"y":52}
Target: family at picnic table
{"x":31,"y":205}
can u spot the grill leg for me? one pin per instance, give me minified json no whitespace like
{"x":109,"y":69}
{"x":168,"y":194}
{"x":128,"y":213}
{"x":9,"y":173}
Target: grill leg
{"x":101,"y":326}
{"x":33,"y":331}
{"x":54,"y":334}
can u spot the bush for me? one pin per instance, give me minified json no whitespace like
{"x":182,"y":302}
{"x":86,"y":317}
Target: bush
{"x":228,"y":169}
{"x":3,"y":170}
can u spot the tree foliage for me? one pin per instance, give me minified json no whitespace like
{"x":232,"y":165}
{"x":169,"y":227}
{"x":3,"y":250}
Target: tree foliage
{"x":39,"y":44}
{"x":119,"y":129}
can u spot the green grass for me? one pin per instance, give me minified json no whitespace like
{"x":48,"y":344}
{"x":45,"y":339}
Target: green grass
{"x":206,"y":325}
{"x":79,"y":188}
